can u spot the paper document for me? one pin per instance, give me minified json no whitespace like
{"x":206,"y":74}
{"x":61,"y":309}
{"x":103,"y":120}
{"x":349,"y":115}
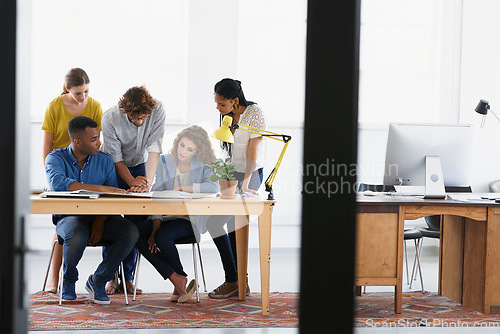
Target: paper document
{"x":179,"y":194}
{"x":479,"y":198}
{"x":155,"y":194}
{"x":77,"y":193}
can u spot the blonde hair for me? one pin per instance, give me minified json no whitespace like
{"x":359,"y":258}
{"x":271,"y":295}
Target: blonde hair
{"x":205,"y":152}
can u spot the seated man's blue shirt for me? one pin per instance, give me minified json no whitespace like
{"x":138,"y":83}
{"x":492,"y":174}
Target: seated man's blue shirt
{"x":62,"y":169}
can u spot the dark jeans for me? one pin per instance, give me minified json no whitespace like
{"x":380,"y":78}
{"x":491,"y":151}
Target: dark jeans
{"x":166,"y":260}
{"x":226,"y":243}
{"x":129,"y":261}
{"x":75,"y":233}
{"x":215,"y":226}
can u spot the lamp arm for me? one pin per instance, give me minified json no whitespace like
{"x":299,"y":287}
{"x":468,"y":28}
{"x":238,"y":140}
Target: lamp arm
{"x":272,"y":135}
{"x":270,"y":179}
{"x":498,"y":119}
{"x":269,"y":134}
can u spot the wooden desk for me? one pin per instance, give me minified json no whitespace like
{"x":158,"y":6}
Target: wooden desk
{"x":469,"y":254}
{"x":242,"y":208}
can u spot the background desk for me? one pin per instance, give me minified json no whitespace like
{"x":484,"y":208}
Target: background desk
{"x":469,"y":252}
{"x":240,"y":207}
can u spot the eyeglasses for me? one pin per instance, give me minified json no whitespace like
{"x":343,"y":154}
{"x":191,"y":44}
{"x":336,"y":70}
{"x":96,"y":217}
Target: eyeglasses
{"x":141,"y":118}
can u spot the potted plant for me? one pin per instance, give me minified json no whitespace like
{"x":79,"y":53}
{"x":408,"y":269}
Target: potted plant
{"x":224,"y":173}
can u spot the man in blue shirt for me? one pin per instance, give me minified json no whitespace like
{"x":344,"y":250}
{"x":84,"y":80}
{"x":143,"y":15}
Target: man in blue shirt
{"x":82,"y":166}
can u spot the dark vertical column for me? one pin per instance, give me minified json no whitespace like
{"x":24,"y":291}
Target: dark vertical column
{"x":330,"y":155}
{"x":13,"y":313}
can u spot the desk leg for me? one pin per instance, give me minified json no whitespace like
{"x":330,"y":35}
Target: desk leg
{"x":398,"y":289}
{"x":242,"y":253}
{"x":265,"y":256}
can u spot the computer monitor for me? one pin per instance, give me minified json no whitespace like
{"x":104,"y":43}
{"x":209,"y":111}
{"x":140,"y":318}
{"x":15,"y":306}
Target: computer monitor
{"x":409,"y":144}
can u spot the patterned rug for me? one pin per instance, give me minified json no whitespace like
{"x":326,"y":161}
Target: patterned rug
{"x":376,"y":310}
{"x":156,"y":311}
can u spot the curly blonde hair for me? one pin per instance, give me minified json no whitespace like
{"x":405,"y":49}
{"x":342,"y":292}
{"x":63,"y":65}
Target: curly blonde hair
{"x":205,"y":153}
{"x":137,"y":102}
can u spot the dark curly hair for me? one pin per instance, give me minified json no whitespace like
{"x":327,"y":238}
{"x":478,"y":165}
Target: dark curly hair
{"x":230,"y":89}
{"x":137,"y":102}
{"x":205,"y":152}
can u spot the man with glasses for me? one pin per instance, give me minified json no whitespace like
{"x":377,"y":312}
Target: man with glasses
{"x":133,"y":133}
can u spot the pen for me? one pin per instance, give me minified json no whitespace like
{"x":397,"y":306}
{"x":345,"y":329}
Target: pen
{"x":147,"y":181}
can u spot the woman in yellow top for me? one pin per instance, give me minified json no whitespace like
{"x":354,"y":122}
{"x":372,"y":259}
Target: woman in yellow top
{"x":73,"y":101}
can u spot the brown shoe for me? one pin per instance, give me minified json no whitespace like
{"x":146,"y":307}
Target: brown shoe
{"x":225,"y":290}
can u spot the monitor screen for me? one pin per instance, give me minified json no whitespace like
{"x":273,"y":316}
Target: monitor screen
{"x":409,"y":144}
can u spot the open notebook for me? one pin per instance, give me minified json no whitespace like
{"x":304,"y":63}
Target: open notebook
{"x":156,"y":194}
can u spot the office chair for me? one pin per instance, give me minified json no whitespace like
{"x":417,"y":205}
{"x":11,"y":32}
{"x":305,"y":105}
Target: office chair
{"x":433,"y":229}
{"x":59,"y":287}
{"x":494,"y":186}
{"x":184,"y":241}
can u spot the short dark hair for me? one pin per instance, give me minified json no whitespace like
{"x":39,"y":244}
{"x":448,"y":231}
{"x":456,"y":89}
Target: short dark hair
{"x":78,"y":125}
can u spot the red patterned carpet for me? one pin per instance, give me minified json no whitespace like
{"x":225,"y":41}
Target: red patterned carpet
{"x":156,"y":311}
{"x":376,"y":310}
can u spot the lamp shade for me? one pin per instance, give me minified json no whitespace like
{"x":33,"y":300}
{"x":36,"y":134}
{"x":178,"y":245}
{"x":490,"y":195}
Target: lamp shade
{"x":482,"y":107}
{"x":224,"y":133}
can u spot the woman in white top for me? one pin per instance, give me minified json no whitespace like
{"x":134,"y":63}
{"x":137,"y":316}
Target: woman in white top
{"x":246,"y":153}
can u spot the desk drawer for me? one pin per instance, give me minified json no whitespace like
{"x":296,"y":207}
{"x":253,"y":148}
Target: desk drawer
{"x":376,"y":245}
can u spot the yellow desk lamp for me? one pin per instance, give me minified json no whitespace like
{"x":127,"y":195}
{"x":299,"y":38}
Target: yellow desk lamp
{"x":224,"y":134}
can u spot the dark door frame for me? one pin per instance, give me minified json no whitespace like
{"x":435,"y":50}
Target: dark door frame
{"x":14,"y":169}
{"x":330,"y":155}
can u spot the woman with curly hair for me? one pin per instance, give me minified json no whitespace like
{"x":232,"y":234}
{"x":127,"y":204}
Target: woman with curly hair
{"x":182,"y":169}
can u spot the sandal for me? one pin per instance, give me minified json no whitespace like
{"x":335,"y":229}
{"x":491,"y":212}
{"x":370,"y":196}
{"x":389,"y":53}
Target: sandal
{"x":111,"y":287}
{"x":51,"y":289}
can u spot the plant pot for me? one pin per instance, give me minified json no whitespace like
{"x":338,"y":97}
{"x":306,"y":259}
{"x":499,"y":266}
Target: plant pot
{"x":227,"y":189}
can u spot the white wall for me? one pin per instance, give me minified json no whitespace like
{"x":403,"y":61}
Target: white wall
{"x":179,"y":49}
{"x":481,"y":80}
{"x":475,"y":76}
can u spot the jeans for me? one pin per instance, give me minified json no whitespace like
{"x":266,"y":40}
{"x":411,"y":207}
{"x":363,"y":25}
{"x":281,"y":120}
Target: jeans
{"x":215,"y":226}
{"x":226,"y":243}
{"x":166,"y":261}
{"x":75,"y":233}
{"x":129,"y":260}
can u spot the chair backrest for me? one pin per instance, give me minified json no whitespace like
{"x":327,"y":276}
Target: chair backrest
{"x":433,"y":222}
{"x":375,"y":187}
{"x":495,"y":186}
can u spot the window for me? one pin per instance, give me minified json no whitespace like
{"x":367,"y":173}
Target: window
{"x":409,"y":61}
{"x":119,"y":44}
